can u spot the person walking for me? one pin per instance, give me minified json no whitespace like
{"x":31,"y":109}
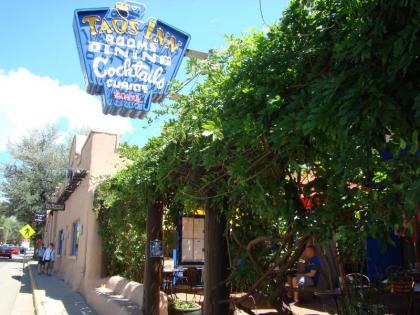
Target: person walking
{"x":40,"y":256}
{"x":48,"y":258}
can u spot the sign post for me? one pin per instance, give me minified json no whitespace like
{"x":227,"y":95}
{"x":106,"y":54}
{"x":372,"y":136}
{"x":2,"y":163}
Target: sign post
{"x":129,"y":61}
{"x":27,"y":231}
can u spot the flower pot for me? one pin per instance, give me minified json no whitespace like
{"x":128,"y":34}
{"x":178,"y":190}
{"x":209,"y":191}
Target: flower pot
{"x":185,"y":311}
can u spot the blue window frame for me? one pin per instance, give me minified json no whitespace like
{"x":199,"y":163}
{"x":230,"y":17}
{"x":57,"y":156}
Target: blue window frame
{"x":60,"y":242}
{"x":75,"y":238}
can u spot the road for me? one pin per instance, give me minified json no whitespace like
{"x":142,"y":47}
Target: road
{"x":15,"y":289}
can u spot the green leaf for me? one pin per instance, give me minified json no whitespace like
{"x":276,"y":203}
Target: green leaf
{"x":414,"y":142}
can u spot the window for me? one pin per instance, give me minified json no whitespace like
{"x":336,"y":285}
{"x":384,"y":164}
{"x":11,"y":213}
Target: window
{"x":75,"y":238}
{"x":192,"y":239}
{"x":60,"y":242}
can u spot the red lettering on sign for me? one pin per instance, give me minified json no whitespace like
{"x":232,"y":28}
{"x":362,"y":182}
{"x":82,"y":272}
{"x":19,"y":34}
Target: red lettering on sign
{"x":134,"y":98}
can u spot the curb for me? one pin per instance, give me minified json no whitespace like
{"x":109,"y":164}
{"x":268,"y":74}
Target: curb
{"x":39,"y":309}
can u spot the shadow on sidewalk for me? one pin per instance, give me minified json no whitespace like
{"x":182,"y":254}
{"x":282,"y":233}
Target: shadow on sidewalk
{"x":25,"y":285}
{"x":60,"y":298}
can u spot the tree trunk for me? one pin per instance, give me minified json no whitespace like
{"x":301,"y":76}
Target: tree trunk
{"x":216,"y":268}
{"x":153,"y":265}
{"x":341,"y":269}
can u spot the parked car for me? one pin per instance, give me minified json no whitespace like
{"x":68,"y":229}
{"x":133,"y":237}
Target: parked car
{"x":15,"y":250}
{"x":6,"y":251}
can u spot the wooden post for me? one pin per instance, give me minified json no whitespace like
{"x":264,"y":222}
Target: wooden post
{"x":216,"y":262}
{"x":153,"y":265}
{"x":341,"y":269}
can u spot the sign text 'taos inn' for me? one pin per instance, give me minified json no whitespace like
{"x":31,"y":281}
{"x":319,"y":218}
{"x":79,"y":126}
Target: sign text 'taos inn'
{"x":125,"y":59}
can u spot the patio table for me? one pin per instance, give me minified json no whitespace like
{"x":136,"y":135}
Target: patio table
{"x":169,"y":278}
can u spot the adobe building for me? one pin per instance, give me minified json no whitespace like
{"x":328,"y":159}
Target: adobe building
{"x":74,"y":231}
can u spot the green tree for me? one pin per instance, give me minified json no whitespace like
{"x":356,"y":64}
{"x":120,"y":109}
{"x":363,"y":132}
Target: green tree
{"x":9,"y":230}
{"x":30,"y":178}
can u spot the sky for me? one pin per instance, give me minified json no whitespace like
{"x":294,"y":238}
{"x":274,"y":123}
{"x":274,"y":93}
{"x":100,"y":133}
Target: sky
{"x":41,"y":78}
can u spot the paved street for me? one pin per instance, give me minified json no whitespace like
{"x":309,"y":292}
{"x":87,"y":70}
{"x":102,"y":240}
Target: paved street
{"x":54,"y":295}
{"x":15,"y":288}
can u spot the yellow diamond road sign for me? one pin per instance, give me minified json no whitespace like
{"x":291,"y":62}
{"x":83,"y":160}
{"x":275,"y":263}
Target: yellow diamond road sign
{"x":27,"y":231}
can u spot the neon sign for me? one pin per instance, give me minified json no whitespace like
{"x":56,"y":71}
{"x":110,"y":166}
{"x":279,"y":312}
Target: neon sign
{"x":126,"y":60}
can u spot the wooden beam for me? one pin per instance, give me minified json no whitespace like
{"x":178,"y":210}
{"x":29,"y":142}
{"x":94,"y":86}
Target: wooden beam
{"x":175,"y":96}
{"x":196,"y":54}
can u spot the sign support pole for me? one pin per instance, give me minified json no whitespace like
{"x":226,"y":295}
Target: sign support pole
{"x":154,"y":265}
{"x":216,"y":260}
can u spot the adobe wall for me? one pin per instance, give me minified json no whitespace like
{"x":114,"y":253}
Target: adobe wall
{"x":82,"y":271}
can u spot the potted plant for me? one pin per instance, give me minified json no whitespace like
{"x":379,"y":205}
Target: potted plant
{"x":178,"y":307}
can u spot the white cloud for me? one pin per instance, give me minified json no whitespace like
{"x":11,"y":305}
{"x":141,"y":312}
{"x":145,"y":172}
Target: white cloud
{"x":29,"y":101}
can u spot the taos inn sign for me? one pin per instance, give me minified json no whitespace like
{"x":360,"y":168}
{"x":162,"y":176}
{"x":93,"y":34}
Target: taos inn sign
{"x":125,"y":59}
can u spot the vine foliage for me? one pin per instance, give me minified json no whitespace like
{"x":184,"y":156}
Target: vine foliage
{"x":311,"y":127}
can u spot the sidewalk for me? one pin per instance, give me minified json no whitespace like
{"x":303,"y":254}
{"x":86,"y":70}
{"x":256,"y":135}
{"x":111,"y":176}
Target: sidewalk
{"x":23,"y":304}
{"x":53,"y":297}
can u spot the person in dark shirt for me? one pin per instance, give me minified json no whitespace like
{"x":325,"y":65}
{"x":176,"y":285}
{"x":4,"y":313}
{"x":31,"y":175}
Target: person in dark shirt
{"x":310,"y":275}
{"x":40,"y":253}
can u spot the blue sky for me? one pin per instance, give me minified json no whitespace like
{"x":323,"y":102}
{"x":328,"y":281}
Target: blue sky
{"x":40,"y":75}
